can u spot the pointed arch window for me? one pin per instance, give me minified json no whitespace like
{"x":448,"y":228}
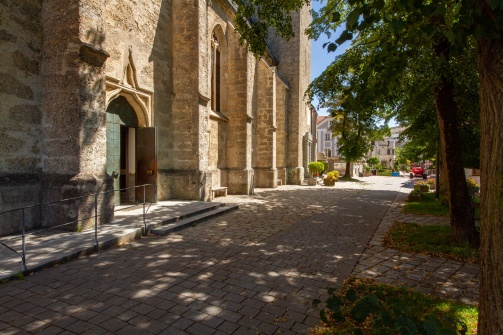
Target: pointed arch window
{"x":215,"y":74}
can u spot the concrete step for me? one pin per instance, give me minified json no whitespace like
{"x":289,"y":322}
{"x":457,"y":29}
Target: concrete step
{"x":193,"y":219}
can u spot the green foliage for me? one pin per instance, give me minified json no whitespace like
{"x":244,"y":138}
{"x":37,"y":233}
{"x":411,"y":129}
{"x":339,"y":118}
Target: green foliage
{"x":255,"y":17}
{"x":431,"y":240}
{"x":325,"y":167}
{"x":373,"y":160}
{"x":430,"y":205}
{"x":365,"y":307}
{"x":315,"y":168}
{"x":473,"y":187}
{"x":332,"y":176}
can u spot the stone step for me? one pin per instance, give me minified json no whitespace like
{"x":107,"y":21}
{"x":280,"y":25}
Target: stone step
{"x":183,"y":223}
{"x":175,"y":218}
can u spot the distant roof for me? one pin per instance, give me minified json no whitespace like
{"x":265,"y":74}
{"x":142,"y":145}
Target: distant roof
{"x":319,"y":119}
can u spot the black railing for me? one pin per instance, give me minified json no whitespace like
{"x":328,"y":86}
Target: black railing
{"x":96,"y":215}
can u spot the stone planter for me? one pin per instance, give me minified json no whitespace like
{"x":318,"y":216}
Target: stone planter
{"x":366,"y":174}
{"x":312,"y":181}
{"x":425,"y":188}
{"x":328,"y":182}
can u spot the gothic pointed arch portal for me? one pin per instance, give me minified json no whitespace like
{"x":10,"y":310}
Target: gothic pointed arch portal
{"x":131,"y":139}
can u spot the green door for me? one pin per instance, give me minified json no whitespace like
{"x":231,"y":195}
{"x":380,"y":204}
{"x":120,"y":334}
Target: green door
{"x":120,"y":114}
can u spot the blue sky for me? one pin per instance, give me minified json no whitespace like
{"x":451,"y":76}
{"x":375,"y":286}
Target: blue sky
{"x":320,"y":58}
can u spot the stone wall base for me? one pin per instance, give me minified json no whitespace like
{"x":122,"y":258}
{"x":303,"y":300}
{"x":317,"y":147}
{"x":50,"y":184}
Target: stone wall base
{"x":266,"y":178}
{"x":76,"y":214}
{"x":295,"y":175}
{"x":240,"y":181}
{"x":282,"y":174}
{"x":17,"y":191}
{"x":184,"y":185}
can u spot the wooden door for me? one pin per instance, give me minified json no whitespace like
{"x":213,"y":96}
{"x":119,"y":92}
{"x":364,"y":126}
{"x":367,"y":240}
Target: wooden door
{"x":146,"y":163}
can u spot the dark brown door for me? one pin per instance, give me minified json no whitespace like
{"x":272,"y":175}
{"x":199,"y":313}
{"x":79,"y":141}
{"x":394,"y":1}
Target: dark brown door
{"x":146,"y":163}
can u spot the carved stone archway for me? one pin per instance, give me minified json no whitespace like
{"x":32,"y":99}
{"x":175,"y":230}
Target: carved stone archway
{"x":140,"y":99}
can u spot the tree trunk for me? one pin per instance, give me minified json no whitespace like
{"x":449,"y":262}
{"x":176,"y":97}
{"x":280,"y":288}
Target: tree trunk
{"x":462,"y":216}
{"x":490,"y":56}
{"x":347,"y":174}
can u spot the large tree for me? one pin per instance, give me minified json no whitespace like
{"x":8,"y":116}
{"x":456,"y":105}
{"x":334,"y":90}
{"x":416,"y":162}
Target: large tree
{"x":447,"y":35}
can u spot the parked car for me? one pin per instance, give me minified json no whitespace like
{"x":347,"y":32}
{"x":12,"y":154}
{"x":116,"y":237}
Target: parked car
{"x":417,"y":171}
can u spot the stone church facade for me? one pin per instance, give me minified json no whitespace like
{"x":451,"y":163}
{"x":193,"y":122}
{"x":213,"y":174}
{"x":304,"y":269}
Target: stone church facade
{"x":105,"y":94}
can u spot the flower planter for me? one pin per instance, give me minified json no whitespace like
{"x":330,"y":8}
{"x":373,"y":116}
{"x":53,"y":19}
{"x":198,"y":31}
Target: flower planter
{"x":425,"y":188}
{"x":417,"y":187}
{"x":312,"y":181}
{"x":329,"y":182}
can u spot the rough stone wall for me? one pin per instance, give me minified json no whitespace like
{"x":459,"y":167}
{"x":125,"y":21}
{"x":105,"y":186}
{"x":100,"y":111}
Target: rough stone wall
{"x":20,"y":114}
{"x":265,"y":149}
{"x":143,"y":29}
{"x":185,"y":172}
{"x":239,"y":81}
{"x":282,"y":130}
{"x":73,"y":105}
{"x":294,"y":68}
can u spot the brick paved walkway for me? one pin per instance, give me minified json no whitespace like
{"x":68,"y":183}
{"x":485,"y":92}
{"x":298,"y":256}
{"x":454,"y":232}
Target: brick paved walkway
{"x":252,"y":271}
{"x":436,"y":276}
{"x":255,"y":270}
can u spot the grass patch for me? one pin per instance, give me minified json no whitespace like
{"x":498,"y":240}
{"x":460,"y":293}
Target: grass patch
{"x":429,"y":205}
{"x":432,"y":240}
{"x":363,"y":306}
{"x":386,"y":173}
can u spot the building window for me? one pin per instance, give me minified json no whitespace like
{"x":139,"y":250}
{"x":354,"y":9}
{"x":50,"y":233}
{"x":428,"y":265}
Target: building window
{"x":215,"y":74}
{"x":328,"y":153}
{"x":327,"y":137}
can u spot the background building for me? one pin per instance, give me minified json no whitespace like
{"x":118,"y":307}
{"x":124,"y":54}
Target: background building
{"x":385,"y":150}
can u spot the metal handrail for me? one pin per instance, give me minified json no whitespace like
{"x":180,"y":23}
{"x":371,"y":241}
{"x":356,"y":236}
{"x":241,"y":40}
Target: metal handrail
{"x":96,"y":215}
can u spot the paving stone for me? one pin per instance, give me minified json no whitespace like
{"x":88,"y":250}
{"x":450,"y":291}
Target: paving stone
{"x":242,"y":271}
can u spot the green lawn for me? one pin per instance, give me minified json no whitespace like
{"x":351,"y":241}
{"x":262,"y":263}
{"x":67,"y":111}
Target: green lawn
{"x":433,"y":240}
{"x":386,"y":307}
{"x":386,"y":173}
{"x":429,"y":205}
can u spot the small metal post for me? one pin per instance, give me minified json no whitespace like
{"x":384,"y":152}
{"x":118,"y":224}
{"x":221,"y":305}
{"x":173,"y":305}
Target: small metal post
{"x":144,"y":223}
{"x":96,"y":219}
{"x":23,"y":249}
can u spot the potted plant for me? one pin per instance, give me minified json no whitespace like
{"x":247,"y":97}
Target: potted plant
{"x":422,"y":186}
{"x":432,"y":183}
{"x":366,"y":170}
{"x":331,"y":178}
{"x":414,"y":196}
{"x":315,"y":168}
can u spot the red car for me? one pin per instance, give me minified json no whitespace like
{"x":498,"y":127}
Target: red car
{"x":417,"y":171}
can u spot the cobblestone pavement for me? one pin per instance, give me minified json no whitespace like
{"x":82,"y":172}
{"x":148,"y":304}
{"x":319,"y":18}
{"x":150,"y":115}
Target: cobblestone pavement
{"x":255,"y":270}
{"x":431,"y":275}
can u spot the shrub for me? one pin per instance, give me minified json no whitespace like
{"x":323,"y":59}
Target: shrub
{"x":315,"y":168}
{"x":325,"y":167}
{"x":332,"y":176}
